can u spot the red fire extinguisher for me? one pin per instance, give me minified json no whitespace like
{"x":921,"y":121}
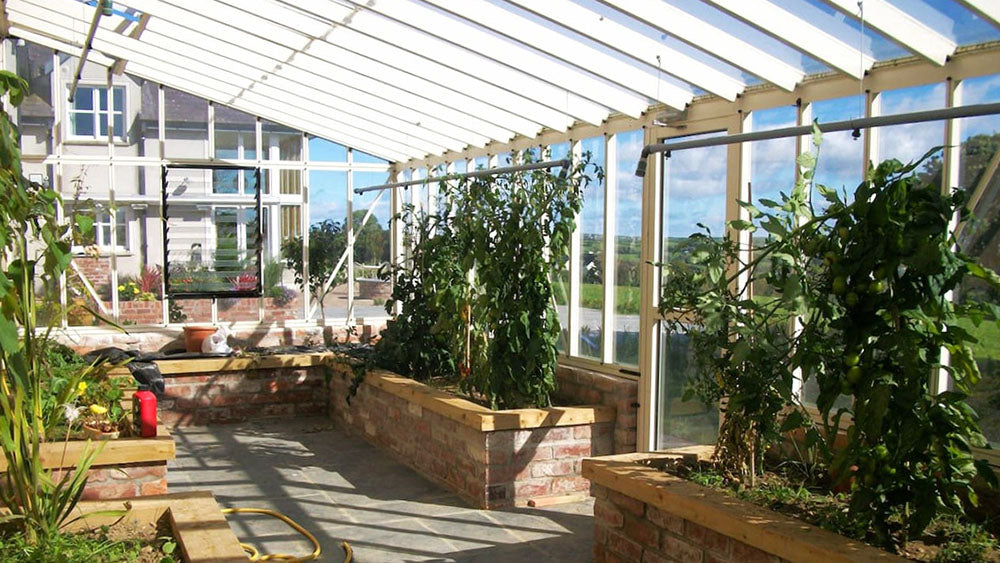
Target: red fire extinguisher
{"x":144,"y":412}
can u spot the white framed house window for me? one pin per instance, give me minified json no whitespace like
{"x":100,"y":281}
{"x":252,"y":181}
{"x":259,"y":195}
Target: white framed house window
{"x":100,"y":235}
{"x":92,"y":108}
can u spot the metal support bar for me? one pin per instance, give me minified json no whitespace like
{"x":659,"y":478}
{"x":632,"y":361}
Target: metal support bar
{"x":847,"y":125}
{"x":476,"y":174}
{"x":98,"y":12}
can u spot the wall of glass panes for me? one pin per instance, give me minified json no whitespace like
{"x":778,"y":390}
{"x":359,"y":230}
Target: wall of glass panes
{"x":104,"y":152}
{"x":693,"y":189}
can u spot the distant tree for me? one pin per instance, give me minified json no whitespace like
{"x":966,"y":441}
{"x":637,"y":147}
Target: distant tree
{"x":371,"y":245}
{"x":327,"y":242}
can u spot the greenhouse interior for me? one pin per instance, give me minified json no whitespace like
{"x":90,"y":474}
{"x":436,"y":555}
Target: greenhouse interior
{"x":500,"y":280}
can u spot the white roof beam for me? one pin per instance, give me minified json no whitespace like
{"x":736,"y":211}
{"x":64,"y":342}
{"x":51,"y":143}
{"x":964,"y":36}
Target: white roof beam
{"x":221,"y":92}
{"x":581,"y":89}
{"x":157,"y":75}
{"x":166,"y":49}
{"x":456,"y":57}
{"x":905,"y":29}
{"x":639,"y":47}
{"x":345,"y":67}
{"x":798,"y":33}
{"x":989,"y":10}
{"x":705,"y":36}
{"x":414,"y":65}
{"x":577,"y":53}
{"x":345,"y":84}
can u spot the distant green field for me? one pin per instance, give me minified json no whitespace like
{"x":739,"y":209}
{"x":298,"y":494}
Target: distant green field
{"x":592,"y":297}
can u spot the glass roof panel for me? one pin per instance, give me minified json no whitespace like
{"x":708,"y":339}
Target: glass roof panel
{"x":950,"y":19}
{"x":750,"y":34}
{"x":666,"y":39}
{"x":847,"y":28}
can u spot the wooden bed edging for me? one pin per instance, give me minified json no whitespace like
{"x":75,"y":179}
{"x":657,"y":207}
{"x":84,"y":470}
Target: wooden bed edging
{"x":632,"y":493}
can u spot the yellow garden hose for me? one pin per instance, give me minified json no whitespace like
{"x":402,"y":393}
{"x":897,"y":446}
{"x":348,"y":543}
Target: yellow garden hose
{"x":255,"y":554}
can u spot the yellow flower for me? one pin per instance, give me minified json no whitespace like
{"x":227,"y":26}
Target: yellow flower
{"x":81,"y":388}
{"x":98,"y":409}
{"x":135,"y":290}
{"x":121,"y":288}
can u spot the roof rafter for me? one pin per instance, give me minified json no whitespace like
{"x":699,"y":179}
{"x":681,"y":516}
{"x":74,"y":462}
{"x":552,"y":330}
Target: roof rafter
{"x":344,"y":66}
{"x":410,"y":64}
{"x":900,"y":26}
{"x":633,"y":44}
{"x":579,"y":87}
{"x":416,"y":40}
{"x":798,"y":33}
{"x":130,"y":49}
{"x":705,"y":36}
{"x":574,"y":52}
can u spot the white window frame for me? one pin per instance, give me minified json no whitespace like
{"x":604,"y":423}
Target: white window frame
{"x":241,"y":226}
{"x":99,"y":134}
{"x":102,"y":220}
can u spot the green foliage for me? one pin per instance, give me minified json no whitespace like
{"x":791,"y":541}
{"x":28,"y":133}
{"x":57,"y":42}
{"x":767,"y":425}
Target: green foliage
{"x":476,"y":294}
{"x":37,"y":251}
{"x":68,"y":548}
{"x":867,"y":282}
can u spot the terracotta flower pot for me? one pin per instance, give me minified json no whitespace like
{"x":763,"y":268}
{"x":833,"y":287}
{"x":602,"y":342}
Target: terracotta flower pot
{"x":194,"y":335}
{"x":100,"y":434}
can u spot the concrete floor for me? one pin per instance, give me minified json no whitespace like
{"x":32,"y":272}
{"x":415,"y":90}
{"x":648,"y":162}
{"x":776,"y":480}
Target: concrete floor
{"x":341,"y":488}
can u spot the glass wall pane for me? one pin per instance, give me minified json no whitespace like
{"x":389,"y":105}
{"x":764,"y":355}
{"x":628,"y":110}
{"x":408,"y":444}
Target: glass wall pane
{"x":591,"y":227}
{"x":36,"y":113}
{"x":364,"y":157}
{"x":280,"y":142}
{"x":772,"y":171}
{"x":841,"y":156}
{"x":694,"y":191}
{"x":142,"y":118}
{"x":186,"y":125}
{"x":322,"y":150}
{"x":372,"y":247}
{"x":628,"y":222}
{"x":981,"y":238}
{"x":328,"y":239}
{"x":560,"y":280}
{"x":680,"y":423}
{"x":909,"y":142}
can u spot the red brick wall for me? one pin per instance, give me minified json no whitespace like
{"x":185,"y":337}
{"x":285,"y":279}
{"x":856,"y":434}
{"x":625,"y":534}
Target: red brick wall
{"x":97,"y":270}
{"x":199,"y":399}
{"x":588,"y":387}
{"x":489,"y":469}
{"x":126,"y":480}
{"x":627,"y":529}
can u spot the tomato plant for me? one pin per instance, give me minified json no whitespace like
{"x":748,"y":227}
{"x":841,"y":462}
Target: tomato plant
{"x":475,"y":292}
{"x":861,"y":305}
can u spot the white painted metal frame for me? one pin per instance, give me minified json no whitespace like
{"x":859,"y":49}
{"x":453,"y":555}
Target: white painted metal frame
{"x":774,"y":20}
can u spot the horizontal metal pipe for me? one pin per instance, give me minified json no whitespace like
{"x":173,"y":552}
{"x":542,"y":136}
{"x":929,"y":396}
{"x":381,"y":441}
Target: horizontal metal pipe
{"x":474,"y":174}
{"x":847,"y":125}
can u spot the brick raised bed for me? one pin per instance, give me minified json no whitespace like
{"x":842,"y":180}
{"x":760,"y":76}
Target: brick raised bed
{"x":490,"y":458}
{"x":222,"y":390}
{"x":124,"y":468}
{"x":644,"y":514}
